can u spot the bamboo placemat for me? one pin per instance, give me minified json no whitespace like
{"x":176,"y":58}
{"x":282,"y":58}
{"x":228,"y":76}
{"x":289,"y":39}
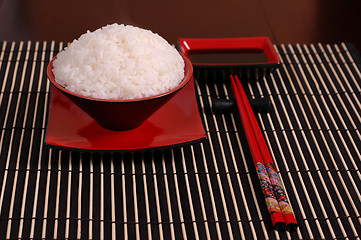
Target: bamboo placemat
{"x":206,"y":190}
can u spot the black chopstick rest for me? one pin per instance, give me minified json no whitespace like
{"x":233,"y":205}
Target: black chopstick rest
{"x":259,"y":105}
{"x":223,"y":105}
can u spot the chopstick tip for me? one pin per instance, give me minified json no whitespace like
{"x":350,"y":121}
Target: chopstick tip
{"x":291,"y":227}
{"x":279,"y":226}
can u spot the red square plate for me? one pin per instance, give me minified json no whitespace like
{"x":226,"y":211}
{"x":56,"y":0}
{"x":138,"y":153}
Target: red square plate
{"x":177,"y":123}
{"x":251,"y":58}
{"x":241,"y":52}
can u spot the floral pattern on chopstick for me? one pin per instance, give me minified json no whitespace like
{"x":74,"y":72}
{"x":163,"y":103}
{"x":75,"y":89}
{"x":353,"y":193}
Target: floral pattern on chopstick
{"x":267,"y":189}
{"x":278,"y":189}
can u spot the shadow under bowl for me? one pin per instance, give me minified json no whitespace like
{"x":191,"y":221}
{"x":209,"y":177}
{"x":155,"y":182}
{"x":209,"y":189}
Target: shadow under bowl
{"x":119,"y":115}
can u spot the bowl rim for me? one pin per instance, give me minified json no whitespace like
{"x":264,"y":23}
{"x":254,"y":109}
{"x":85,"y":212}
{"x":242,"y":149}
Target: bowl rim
{"x":187,"y":77}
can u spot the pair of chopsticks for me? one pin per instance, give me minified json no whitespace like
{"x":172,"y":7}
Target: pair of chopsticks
{"x":276,"y":200}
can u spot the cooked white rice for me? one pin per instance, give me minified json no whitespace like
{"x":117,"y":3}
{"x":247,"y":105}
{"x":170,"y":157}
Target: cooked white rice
{"x":119,"y":62}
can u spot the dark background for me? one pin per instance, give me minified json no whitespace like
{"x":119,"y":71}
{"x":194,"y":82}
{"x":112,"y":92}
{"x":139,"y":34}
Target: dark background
{"x":284,"y":21}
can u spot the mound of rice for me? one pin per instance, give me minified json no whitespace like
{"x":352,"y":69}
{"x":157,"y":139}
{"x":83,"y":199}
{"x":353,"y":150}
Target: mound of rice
{"x":119,"y":62}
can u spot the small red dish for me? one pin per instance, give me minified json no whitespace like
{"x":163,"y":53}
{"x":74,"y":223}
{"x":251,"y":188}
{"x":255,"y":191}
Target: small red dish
{"x":224,"y":52}
{"x":176,"y":123}
{"x":249,"y":57}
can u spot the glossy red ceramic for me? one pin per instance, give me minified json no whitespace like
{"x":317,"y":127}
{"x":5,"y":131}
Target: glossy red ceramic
{"x":218,"y":46}
{"x":121,"y":114}
{"x":176,"y":123}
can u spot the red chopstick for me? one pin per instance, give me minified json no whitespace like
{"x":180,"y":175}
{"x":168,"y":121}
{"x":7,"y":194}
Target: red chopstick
{"x":266,"y":159}
{"x":274,"y":209}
